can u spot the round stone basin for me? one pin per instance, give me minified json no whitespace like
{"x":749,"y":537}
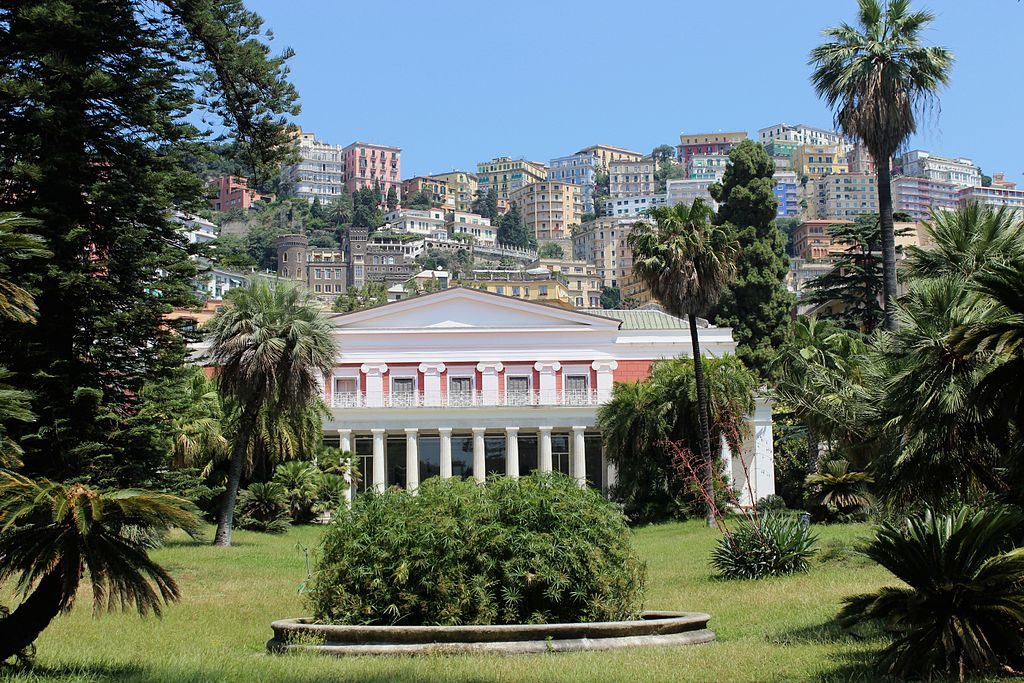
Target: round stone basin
{"x":651,"y":629}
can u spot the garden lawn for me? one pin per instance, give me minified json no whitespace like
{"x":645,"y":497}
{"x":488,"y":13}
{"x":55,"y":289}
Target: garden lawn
{"x":769,"y":630}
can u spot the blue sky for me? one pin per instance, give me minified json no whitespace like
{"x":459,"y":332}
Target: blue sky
{"x":455,"y":82}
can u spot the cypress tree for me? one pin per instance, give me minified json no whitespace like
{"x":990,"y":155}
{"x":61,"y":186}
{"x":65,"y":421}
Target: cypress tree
{"x":96,"y":138}
{"x":756,"y":304}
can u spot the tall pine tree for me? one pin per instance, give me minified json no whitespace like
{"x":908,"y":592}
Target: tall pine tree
{"x":756,"y":305}
{"x":97,"y":100}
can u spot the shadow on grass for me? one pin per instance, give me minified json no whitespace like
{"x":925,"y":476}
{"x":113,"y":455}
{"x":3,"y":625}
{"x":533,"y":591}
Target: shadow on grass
{"x":829,"y":632}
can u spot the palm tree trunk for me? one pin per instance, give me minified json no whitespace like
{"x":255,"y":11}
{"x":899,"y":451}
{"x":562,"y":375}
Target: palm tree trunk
{"x":702,"y":417}
{"x":21,"y":628}
{"x":226,"y":519}
{"x":888,"y":241}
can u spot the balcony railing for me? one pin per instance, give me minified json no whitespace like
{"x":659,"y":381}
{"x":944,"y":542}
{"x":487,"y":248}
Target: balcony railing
{"x":466,"y":399}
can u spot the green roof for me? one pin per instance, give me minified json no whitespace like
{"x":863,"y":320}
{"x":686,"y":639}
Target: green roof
{"x":642,"y":319}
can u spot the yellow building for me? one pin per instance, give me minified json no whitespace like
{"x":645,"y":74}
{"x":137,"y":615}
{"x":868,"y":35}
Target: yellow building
{"x":603,"y":242}
{"x":633,"y":290}
{"x":815,"y":161}
{"x":606,"y":154}
{"x":549,"y":208}
{"x":462,"y":187}
{"x":581,"y":278}
{"x":537,"y":284}
{"x":506,"y":175}
{"x":435,"y":188}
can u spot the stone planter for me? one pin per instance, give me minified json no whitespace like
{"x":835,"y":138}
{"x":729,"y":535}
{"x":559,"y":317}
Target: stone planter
{"x":652,"y":629}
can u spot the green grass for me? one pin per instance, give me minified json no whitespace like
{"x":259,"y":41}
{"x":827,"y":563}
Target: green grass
{"x":769,"y":630}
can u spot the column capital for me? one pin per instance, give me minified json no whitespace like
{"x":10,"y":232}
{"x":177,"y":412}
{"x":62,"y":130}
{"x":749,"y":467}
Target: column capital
{"x":604,"y":365}
{"x":373,"y":369}
{"x":547,"y":366}
{"x":445,"y":431}
{"x":411,"y":431}
{"x":431,"y":368}
{"x":342,"y":432}
{"x":479,"y":430}
{"x":577,"y":429}
{"x":378,"y":431}
{"x":490,"y":368}
{"x":511,"y":430}
{"x":544,"y":429}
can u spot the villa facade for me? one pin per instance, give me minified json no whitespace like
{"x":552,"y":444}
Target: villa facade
{"x":468,"y":383}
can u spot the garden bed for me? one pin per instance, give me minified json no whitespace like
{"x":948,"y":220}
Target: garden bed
{"x":652,"y":629}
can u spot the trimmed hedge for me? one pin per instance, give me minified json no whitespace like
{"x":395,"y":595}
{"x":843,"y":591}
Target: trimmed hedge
{"x":534,"y":550}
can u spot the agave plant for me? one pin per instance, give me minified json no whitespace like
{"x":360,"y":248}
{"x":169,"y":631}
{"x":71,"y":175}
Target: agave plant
{"x":263,"y":507}
{"x":962,"y":609}
{"x":767,"y":545}
{"x":836,"y":488}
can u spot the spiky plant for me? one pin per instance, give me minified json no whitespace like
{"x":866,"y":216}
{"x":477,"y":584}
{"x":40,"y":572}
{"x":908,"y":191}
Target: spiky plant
{"x":52,"y":536}
{"x":263,"y":507}
{"x":961,"y":610}
{"x":301,"y":482}
{"x":836,"y":487}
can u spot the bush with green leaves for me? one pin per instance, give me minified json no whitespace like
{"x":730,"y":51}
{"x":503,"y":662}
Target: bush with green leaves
{"x":301,"y":483}
{"x":770,"y":544}
{"x":263,"y":507}
{"x":838,"y":492}
{"x":538,"y":549}
{"x":961,"y":610}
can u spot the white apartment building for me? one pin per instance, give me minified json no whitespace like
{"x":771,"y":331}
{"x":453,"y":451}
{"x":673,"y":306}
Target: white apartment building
{"x":418,"y":222}
{"x":800,"y":133}
{"x":636,"y":205}
{"x":475,"y":225}
{"x":959,"y":171}
{"x":627,"y":178}
{"x":685,"y":191}
{"x":319,"y":173}
{"x":706,"y":167}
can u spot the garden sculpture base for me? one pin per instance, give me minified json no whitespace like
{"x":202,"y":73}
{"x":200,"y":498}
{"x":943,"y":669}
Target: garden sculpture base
{"x":652,"y":629}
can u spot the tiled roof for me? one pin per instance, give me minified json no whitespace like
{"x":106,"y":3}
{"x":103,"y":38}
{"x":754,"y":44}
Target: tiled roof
{"x":645,"y":319}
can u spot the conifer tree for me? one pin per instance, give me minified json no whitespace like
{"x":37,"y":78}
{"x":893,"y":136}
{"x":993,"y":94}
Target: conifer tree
{"x":98,"y":100}
{"x":755,"y":304}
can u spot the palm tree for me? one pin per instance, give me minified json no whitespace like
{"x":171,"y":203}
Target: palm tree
{"x":53,"y":535}
{"x":271,"y":347}
{"x":961,"y":608}
{"x":839,"y":488}
{"x":964,"y":242}
{"x":685,"y":261}
{"x":878,"y":78}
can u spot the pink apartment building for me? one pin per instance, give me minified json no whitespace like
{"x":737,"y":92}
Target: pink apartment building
{"x":367,"y":165}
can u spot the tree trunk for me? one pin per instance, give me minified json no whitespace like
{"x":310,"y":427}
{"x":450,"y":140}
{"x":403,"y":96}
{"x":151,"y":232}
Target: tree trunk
{"x":702,"y":417}
{"x":227,"y":508}
{"x":888,"y":241}
{"x":21,"y":628}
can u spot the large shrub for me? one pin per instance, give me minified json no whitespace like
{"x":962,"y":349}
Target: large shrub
{"x":961,"y":610}
{"x":534,"y":550}
{"x":771,"y":544}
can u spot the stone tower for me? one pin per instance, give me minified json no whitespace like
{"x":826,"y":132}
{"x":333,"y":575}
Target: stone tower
{"x":292,"y":252}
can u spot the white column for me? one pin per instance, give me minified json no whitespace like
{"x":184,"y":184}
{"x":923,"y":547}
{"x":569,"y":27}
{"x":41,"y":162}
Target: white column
{"x":756,"y":464}
{"x":345,"y":446}
{"x":379,"y":477}
{"x":412,"y":459}
{"x":431,"y":383}
{"x":546,"y":391}
{"x":605,"y":378}
{"x":374,"y":383}
{"x":446,"y":452}
{"x":544,"y":461}
{"x":489,"y":382}
{"x":321,"y":381}
{"x":512,"y":452}
{"x":479,"y":464}
{"x":579,"y":456}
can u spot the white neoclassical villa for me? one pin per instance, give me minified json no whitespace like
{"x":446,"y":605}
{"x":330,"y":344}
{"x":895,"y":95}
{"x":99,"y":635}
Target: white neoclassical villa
{"x":467,"y":383}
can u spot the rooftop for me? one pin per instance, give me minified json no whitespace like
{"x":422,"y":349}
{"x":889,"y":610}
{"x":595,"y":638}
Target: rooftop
{"x":645,"y":319}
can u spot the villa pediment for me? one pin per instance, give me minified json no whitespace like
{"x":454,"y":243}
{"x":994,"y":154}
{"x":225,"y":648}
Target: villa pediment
{"x":468,"y":308}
